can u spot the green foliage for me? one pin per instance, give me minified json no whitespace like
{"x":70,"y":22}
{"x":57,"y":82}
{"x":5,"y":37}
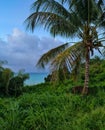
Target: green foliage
{"x":5,"y":75}
{"x":95,"y":120}
{"x":11,"y":84}
{"x":66,"y":18}
{"x":49,"y":106}
{"x":97,"y":72}
{"x":15,"y":85}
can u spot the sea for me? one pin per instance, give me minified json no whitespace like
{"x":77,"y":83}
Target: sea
{"x":35,"y":78}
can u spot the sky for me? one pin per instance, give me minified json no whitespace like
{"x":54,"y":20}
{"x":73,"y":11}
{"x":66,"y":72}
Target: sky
{"x":22,"y":48}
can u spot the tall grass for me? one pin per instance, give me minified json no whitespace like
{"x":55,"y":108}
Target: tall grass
{"x":49,"y":107}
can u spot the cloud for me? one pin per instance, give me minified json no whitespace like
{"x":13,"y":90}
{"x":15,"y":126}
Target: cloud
{"x":22,"y":50}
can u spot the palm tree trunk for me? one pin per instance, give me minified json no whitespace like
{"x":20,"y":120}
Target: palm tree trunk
{"x":86,"y":83}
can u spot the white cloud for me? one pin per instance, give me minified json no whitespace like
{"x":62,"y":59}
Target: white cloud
{"x":23,"y":50}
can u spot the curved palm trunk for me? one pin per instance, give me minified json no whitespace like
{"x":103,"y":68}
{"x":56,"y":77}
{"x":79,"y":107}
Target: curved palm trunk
{"x":86,"y":83}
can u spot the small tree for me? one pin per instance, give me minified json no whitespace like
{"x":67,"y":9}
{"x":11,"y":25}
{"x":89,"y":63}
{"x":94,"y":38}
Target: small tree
{"x":7,"y":74}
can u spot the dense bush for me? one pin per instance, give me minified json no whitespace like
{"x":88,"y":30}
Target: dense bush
{"x":96,"y":73}
{"x":49,"y":107}
{"x":11,"y":84}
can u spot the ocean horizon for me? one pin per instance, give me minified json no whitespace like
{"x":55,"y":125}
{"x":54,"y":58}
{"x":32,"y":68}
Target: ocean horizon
{"x":35,"y":78}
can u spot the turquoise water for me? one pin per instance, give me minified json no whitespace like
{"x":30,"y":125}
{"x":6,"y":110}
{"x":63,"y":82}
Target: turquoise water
{"x":36,"y":78}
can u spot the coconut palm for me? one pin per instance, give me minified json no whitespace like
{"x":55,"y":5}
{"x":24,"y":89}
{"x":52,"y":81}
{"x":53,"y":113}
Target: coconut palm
{"x":70,"y":18}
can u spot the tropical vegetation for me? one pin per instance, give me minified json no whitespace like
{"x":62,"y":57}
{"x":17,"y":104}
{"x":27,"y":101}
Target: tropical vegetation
{"x":82,"y":19}
{"x":50,"y":106}
{"x":11,"y":84}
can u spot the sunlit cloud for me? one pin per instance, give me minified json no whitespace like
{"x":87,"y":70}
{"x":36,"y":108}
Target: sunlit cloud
{"x":22,"y":50}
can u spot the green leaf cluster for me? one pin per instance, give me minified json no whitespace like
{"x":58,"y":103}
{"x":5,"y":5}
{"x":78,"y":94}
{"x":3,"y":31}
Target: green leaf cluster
{"x":53,"y":107}
{"x":10,"y":83}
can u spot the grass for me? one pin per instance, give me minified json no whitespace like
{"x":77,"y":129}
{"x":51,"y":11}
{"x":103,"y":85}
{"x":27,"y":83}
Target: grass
{"x":53,"y":107}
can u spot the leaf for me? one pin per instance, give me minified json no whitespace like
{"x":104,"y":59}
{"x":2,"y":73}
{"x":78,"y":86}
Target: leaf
{"x":68,"y":58}
{"x":47,"y":57}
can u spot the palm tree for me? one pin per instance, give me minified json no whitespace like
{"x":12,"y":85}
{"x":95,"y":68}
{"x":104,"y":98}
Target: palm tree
{"x":70,"y":18}
{"x":7,"y":74}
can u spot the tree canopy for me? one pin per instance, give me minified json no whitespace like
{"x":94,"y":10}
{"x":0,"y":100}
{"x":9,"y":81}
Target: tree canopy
{"x":84,"y":19}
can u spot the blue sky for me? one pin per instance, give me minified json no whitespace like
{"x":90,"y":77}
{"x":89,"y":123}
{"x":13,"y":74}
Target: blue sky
{"x":20,"y":47}
{"x":13,"y":13}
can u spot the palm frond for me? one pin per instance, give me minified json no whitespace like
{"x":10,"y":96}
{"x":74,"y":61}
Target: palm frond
{"x":50,"y":6}
{"x":100,"y":2}
{"x":64,"y":29}
{"x":103,"y":51}
{"x":55,"y":23}
{"x":88,"y":11}
{"x":99,"y":40}
{"x":67,"y":61}
{"x":100,"y":22}
{"x":50,"y":55}
{"x":70,"y":3}
{"x":68,"y":58}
